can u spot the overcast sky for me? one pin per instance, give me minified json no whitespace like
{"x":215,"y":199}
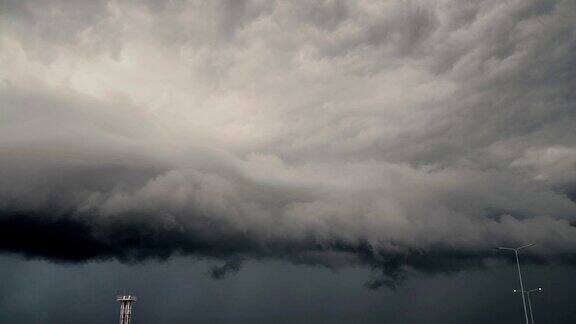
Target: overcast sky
{"x":401,"y":138}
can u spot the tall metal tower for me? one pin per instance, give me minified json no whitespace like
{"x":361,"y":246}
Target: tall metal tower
{"x":126,"y":308}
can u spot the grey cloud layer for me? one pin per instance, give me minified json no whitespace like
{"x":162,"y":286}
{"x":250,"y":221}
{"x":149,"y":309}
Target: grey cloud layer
{"x":328,"y":132}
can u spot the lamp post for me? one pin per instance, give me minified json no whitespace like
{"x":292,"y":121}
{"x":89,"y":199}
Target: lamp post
{"x":529,"y":302}
{"x":520,"y":275}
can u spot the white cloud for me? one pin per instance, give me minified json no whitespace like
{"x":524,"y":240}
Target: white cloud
{"x":406,"y":125}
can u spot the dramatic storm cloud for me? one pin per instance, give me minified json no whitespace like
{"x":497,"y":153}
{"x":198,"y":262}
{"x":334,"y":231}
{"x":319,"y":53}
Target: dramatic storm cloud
{"x":389,"y":133}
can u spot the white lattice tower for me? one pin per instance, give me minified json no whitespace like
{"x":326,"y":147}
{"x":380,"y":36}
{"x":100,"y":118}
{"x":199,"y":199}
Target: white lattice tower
{"x":126,"y":308}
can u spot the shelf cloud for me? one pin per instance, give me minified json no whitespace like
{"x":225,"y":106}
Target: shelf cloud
{"x":390,"y":134}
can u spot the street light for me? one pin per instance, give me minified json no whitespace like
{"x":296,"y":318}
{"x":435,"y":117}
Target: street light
{"x":530,"y":303}
{"x":520,"y":274}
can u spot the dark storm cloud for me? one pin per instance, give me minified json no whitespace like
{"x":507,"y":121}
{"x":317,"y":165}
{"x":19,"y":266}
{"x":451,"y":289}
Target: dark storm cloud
{"x":398,"y":135}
